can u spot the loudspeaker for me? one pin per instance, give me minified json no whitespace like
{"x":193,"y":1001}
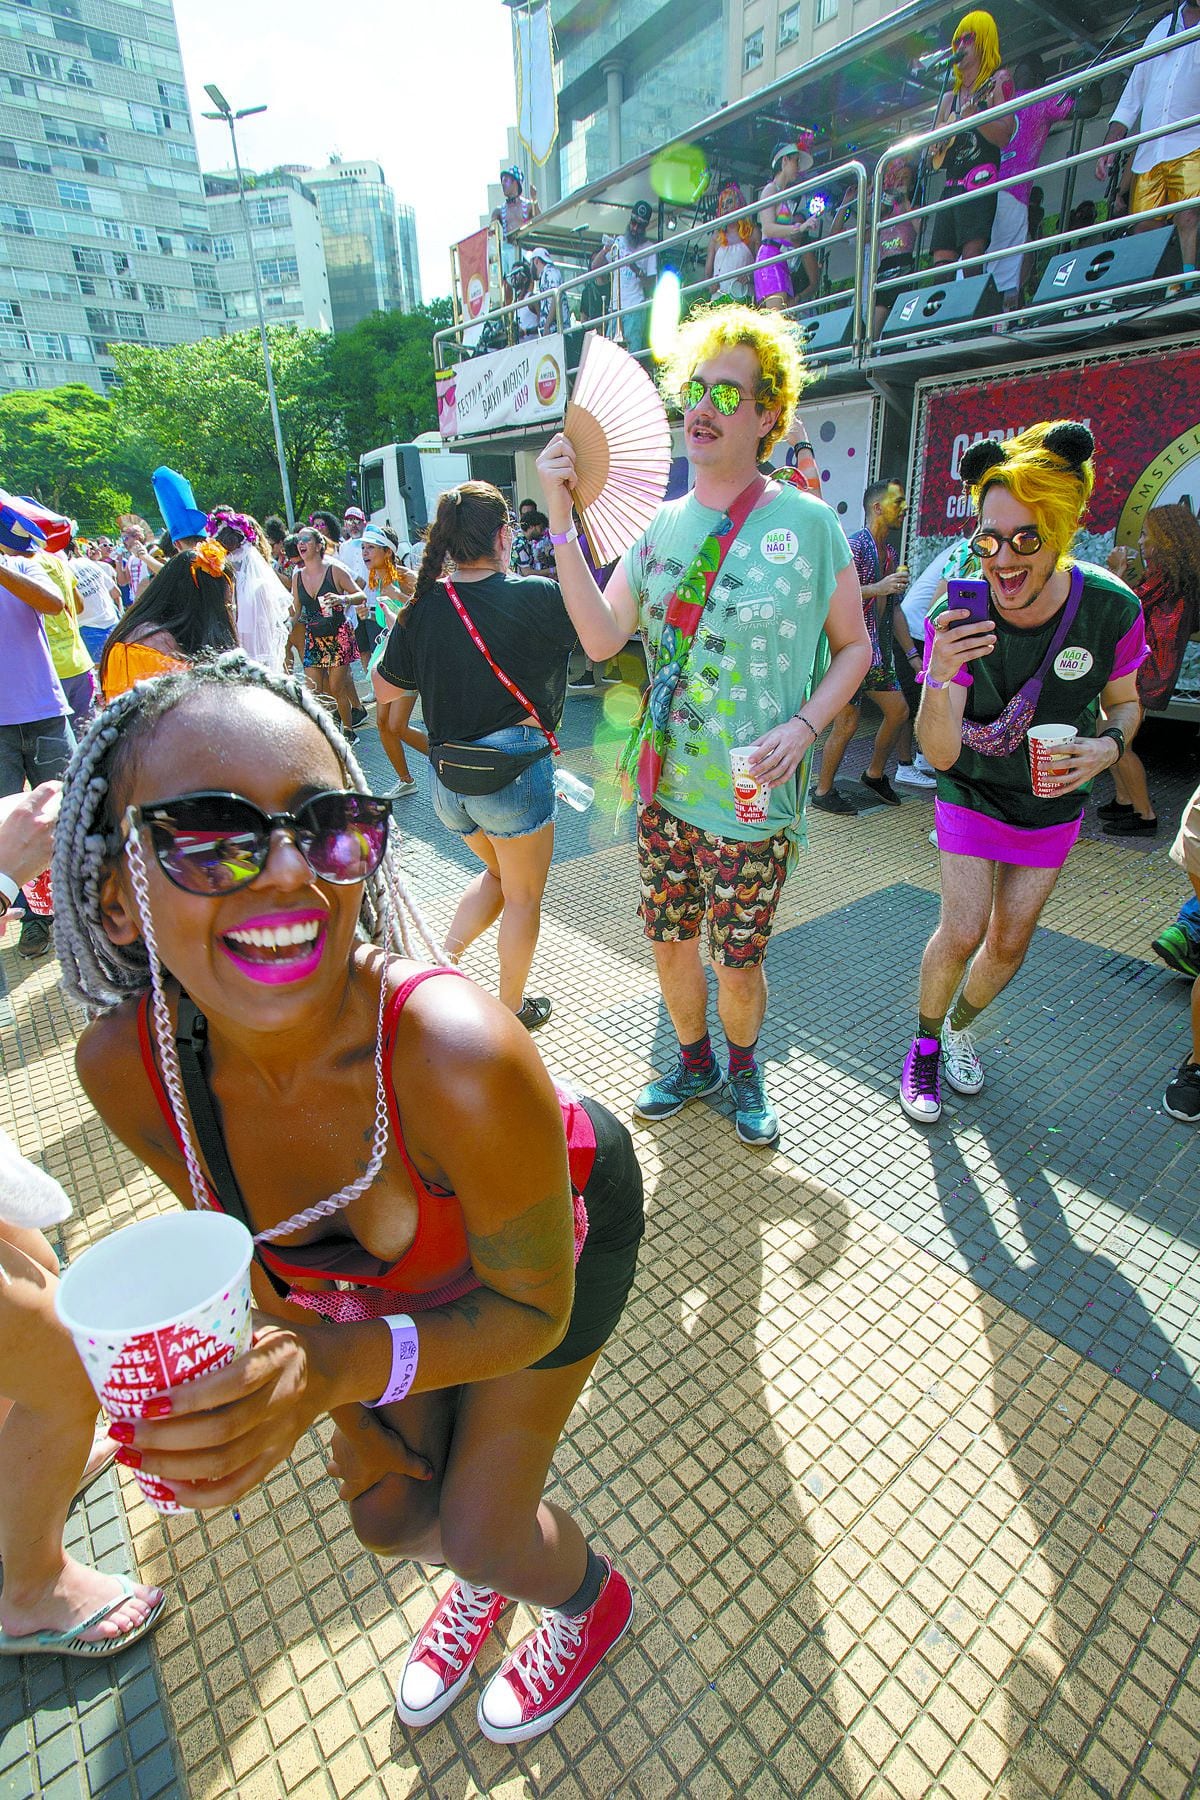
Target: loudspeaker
{"x":830,"y":330}
{"x":1092,"y":267}
{"x":944,"y":303}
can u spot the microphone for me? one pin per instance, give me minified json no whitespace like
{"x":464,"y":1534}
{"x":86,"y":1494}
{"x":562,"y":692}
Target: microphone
{"x":934,"y":61}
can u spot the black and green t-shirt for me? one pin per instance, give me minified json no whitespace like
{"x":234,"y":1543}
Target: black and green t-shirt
{"x":1105,"y":642}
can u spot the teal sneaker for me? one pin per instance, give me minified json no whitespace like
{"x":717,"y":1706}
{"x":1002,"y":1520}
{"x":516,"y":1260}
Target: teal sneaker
{"x":1176,"y":949}
{"x":756,"y":1120}
{"x":665,"y":1095}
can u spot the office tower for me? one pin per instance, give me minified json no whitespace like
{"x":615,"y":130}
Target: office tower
{"x":358,"y":219}
{"x":103,"y":221}
{"x":410,"y":263}
{"x":288,"y":247}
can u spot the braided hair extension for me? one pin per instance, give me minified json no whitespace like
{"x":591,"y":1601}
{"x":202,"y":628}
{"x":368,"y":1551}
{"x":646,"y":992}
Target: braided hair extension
{"x":100,"y":973}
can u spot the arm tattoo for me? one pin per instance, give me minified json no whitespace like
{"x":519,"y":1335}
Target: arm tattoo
{"x":522,"y":1243}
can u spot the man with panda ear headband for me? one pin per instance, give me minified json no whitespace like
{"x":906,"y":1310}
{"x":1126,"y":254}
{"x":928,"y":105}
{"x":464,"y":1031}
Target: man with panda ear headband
{"x":1043,"y":641}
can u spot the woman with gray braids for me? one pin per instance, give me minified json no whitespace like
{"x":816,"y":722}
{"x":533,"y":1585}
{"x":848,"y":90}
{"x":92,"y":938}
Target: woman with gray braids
{"x":444,"y":1245}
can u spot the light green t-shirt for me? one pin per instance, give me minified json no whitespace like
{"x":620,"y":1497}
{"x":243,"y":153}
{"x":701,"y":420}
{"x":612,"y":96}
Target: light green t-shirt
{"x":751,"y":660}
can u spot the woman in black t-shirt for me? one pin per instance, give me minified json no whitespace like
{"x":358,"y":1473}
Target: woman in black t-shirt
{"x":486,"y":732}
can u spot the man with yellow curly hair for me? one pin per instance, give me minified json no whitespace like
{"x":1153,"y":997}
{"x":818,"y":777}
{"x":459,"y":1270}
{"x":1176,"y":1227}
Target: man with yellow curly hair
{"x":737,"y":591}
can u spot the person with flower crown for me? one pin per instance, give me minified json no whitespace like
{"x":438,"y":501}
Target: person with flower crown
{"x":262,"y":604}
{"x":1057,"y":642}
{"x":184,"y":611}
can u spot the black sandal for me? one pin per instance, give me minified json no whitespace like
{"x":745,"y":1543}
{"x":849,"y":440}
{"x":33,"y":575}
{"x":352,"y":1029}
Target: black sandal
{"x":535,"y":1010}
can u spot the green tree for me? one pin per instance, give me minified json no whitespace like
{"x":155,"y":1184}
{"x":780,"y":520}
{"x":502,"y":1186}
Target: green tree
{"x":382,"y":374}
{"x":203,"y":407}
{"x":62,"y":446}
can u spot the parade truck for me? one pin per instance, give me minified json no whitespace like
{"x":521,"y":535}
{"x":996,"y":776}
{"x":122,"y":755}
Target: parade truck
{"x":399,"y":484}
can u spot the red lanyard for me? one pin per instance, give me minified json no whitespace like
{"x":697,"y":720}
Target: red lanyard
{"x":494,"y":666}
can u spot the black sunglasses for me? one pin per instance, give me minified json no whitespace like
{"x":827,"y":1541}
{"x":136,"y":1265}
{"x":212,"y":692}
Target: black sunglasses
{"x":213,"y":843}
{"x":1026,"y":541}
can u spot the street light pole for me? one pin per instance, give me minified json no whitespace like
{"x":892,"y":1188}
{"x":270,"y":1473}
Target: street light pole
{"x":226,"y":112}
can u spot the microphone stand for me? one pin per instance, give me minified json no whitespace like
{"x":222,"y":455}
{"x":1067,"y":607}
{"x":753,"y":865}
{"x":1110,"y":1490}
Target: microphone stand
{"x":921,"y":181}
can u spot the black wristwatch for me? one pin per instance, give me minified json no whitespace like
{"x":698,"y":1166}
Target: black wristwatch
{"x":1118,"y":737}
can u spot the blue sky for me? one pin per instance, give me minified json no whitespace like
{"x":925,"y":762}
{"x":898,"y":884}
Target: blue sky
{"x":364,"y":81}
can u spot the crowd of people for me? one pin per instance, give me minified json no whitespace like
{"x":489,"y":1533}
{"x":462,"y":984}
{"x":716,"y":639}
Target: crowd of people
{"x":444,"y":1262}
{"x":777,"y":256}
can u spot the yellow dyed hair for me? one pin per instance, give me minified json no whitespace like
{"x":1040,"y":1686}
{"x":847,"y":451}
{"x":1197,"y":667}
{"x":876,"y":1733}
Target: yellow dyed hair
{"x":982,"y":26}
{"x":1056,"y":493}
{"x":773,"y":339}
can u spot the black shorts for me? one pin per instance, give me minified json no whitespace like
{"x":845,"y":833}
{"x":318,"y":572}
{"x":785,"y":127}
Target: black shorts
{"x":972,"y":218}
{"x":366,"y":634}
{"x":608,"y":1261}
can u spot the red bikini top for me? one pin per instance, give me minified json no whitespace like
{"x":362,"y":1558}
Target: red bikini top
{"x":436,"y":1268}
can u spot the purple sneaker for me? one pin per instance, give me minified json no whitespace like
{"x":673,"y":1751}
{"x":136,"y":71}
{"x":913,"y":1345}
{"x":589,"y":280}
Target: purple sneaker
{"x":920,"y":1085}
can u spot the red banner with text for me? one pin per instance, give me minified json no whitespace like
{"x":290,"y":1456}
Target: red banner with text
{"x":1143,"y":411}
{"x":473,"y":273}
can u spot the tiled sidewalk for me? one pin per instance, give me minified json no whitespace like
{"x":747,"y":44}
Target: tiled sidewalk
{"x":895,"y":1526}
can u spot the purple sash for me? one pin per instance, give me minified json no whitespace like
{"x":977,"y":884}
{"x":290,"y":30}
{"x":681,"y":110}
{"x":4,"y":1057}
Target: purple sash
{"x":1006,"y":732}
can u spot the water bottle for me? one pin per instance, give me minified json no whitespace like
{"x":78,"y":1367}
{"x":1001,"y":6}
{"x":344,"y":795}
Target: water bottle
{"x":576,"y":793}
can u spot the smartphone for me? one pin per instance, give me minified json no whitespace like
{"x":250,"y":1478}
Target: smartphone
{"x":974,"y":595}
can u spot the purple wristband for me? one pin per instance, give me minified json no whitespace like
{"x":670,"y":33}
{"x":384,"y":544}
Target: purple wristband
{"x":404,"y":1359}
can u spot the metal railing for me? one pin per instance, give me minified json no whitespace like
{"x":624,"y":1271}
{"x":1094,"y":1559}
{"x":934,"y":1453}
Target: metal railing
{"x":865,"y":349}
{"x":921,"y":143}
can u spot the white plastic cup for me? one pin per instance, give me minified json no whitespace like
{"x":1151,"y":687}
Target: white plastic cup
{"x":1046,"y":770}
{"x":155,"y":1305}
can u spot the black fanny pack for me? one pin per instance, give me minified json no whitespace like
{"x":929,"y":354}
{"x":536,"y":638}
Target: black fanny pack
{"x":467,"y":768}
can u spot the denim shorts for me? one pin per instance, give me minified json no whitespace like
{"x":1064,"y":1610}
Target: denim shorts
{"x":522,"y":807}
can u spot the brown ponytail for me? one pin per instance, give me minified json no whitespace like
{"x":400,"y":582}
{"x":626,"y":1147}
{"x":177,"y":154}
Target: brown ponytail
{"x":463,"y":530}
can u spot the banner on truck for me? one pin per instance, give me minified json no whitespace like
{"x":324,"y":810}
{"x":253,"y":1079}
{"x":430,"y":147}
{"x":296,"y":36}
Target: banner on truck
{"x":1142,"y":410}
{"x":842,"y":433}
{"x":523,"y":385}
{"x":472,"y":253}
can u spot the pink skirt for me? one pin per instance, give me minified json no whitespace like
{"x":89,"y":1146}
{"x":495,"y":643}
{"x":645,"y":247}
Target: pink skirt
{"x":776,"y":279}
{"x":962,"y":832}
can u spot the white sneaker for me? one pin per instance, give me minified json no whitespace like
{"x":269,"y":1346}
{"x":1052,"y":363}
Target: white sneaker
{"x":933,"y":837}
{"x":439,"y":1664}
{"x":914,"y":777}
{"x":923,"y":764}
{"x":960,"y":1061}
{"x":400,"y":788}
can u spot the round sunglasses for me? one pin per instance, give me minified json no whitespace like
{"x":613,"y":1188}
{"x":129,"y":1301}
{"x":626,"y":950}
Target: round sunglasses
{"x":214,"y":843}
{"x":726,"y":396}
{"x":1026,"y":541}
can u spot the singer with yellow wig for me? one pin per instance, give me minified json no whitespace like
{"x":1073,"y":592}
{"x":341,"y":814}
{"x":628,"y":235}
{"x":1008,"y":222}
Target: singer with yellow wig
{"x":971,"y":158}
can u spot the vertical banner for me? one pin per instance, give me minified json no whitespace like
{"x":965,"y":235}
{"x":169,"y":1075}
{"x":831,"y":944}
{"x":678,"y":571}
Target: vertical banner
{"x":537,"y":102}
{"x":473,"y":274}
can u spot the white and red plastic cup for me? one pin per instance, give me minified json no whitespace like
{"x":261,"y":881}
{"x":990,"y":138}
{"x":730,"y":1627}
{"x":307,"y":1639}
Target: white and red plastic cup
{"x":750,"y":795}
{"x":1045,"y":764}
{"x":155,"y":1305}
{"x":40,"y":895}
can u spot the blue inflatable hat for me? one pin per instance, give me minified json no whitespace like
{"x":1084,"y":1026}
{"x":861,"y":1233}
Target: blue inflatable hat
{"x":177,"y":504}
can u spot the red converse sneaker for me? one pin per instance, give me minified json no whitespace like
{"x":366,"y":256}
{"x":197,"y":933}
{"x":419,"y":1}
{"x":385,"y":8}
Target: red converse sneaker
{"x":444,"y":1651}
{"x":540,"y":1681}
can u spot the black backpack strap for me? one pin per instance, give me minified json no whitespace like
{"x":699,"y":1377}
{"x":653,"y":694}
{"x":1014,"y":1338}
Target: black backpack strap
{"x":191,"y":1044}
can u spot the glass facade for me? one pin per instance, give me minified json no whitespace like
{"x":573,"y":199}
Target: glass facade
{"x":410,"y":266}
{"x":358,"y":220}
{"x":671,"y":61}
{"x":103,"y":230}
